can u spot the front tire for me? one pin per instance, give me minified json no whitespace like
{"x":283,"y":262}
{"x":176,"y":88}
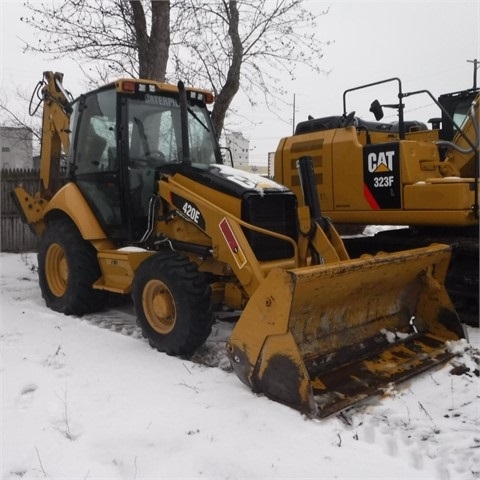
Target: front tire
{"x":172,"y":303}
{"x":67,"y":269}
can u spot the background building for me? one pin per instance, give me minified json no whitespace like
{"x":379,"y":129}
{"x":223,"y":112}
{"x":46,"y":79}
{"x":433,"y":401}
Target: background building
{"x":16,"y":148}
{"x":239,"y":147}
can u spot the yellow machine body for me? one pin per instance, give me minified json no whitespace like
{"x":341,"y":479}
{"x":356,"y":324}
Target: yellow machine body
{"x":318,"y":331}
{"x":385,"y":182}
{"x":423,"y":181}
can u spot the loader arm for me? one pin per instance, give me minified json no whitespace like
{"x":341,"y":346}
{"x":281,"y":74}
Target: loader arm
{"x":225,"y":231}
{"x":317,"y":242}
{"x":316,"y":332}
{"x":319,"y":337}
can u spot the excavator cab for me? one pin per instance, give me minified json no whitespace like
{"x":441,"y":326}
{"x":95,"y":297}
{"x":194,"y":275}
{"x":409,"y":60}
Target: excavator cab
{"x":121,"y":140}
{"x":456,"y":107}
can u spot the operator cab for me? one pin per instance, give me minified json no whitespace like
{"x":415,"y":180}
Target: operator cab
{"x":123,"y":136}
{"x":457,"y":105}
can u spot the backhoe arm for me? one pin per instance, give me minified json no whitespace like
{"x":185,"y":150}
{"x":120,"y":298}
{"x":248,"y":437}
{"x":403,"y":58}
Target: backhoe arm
{"x":55,"y":132}
{"x":55,"y":141}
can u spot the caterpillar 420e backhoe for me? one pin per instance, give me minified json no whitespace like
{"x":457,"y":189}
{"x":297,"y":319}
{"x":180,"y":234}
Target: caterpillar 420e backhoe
{"x":147,"y":208}
{"x":400,"y":173}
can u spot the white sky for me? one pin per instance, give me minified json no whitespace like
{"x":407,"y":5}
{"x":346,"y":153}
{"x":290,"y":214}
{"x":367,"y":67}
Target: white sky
{"x":424,"y":43}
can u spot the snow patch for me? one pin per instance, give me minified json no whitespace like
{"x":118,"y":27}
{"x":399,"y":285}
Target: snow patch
{"x":88,"y":398}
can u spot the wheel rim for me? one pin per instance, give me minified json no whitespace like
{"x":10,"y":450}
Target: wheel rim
{"x":56,"y":269}
{"x":159,"y":306}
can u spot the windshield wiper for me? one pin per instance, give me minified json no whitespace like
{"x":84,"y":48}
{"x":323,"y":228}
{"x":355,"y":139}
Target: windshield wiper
{"x":195,"y":116}
{"x":143,"y":135}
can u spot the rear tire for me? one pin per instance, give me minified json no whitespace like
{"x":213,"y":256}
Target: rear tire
{"x":67,"y":269}
{"x":172,"y":303}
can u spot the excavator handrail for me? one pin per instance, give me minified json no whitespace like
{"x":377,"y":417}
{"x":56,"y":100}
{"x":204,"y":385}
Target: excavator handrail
{"x":400,"y":106}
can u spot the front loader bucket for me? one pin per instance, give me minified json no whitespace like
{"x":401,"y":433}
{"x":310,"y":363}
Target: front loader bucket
{"x":322,"y":338}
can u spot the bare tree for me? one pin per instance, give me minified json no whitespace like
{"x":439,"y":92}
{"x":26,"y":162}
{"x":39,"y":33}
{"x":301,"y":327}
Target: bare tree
{"x":113,"y":37}
{"x":244,"y":44}
{"x":223,"y":45}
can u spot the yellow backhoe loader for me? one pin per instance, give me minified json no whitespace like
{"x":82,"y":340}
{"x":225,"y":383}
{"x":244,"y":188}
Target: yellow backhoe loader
{"x":141,"y":204}
{"x":401,"y":173}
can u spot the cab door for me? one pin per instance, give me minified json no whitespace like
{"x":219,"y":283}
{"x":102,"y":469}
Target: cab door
{"x":94,"y":160}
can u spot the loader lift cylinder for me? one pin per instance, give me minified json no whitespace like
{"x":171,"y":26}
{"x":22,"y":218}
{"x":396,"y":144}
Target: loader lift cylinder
{"x":309,"y":189}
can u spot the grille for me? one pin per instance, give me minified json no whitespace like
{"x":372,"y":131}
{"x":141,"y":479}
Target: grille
{"x":275,"y":212}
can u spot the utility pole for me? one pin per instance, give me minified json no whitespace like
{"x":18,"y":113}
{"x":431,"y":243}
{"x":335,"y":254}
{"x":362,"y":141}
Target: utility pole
{"x":475,"y":67}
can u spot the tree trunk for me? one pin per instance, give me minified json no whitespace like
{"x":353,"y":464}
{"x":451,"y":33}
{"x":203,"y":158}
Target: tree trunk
{"x":232,"y":83}
{"x":153,"y":49}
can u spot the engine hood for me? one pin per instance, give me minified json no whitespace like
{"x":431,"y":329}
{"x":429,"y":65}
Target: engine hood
{"x":232,"y":181}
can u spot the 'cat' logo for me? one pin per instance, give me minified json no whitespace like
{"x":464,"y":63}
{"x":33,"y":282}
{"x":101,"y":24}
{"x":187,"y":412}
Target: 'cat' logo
{"x":380,"y":162}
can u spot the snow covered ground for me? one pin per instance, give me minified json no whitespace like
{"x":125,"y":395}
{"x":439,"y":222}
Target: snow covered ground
{"x":87,"y":398}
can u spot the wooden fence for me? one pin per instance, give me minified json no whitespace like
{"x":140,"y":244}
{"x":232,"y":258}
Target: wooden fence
{"x":15,"y":235}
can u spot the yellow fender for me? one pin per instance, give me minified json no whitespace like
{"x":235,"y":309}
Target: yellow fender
{"x":70,"y":200}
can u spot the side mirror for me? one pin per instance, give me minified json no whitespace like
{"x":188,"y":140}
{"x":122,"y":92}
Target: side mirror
{"x":377,"y":110}
{"x":227,"y":156}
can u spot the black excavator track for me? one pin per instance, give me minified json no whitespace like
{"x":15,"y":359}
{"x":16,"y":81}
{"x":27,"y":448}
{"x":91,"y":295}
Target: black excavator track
{"x":462,"y":279}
